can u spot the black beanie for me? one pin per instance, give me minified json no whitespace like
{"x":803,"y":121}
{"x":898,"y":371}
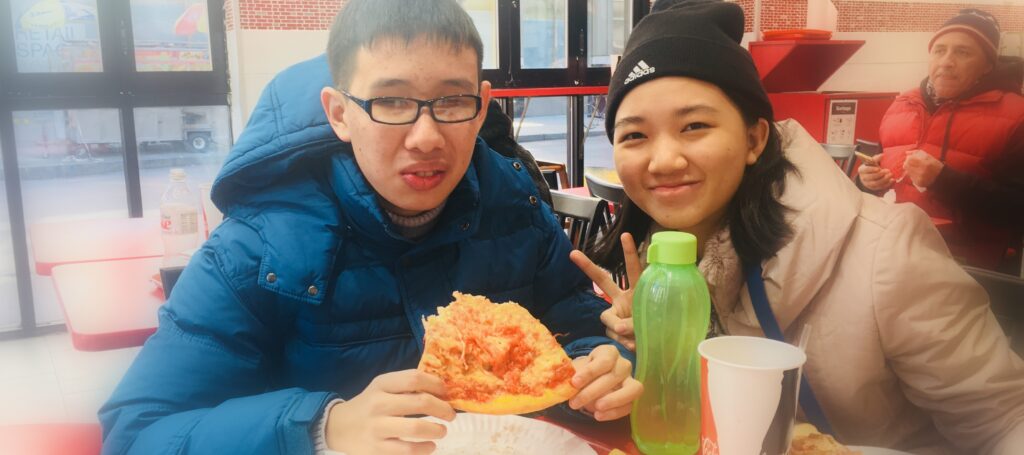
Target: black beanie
{"x":699,"y":39}
{"x":982,"y":26}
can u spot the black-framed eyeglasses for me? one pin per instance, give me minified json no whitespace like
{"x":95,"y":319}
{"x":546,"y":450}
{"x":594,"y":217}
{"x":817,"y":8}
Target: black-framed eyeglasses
{"x":393,"y":110}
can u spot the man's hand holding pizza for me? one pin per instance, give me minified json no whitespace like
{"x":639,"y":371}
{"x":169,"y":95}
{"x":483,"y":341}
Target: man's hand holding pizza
{"x":375,"y":422}
{"x":606,"y":385}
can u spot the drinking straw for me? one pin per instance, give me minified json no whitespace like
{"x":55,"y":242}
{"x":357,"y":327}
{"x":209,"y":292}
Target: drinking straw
{"x":805,"y":336}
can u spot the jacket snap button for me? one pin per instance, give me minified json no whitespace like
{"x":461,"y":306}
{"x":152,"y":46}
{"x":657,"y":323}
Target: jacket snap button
{"x":517,"y":166}
{"x":313,"y":290}
{"x":271,"y":277}
{"x":464,"y":226}
{"x":533,"y":200}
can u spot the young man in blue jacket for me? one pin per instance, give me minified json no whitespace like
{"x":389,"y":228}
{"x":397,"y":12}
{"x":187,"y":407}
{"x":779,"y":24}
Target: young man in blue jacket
{"x":297,"y":327}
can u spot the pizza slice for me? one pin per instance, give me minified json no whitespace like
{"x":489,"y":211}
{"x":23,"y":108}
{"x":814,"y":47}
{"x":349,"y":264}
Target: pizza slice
{"x":495,"y":358}
{"x":807,"y":440}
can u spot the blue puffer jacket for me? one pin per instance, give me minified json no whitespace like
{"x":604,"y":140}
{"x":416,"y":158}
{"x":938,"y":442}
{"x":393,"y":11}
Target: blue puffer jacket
{"x":305,"y":293}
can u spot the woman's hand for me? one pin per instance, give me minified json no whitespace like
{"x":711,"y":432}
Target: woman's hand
{"x":605,"y":381}
{"x":618,"y":319}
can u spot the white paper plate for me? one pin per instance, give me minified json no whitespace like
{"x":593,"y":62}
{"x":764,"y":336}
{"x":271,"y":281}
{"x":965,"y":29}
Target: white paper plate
{"x":507,"y":435}
{"x":877,"y":451}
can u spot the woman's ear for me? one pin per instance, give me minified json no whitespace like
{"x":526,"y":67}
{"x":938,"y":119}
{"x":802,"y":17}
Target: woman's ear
{"x":333,"y":102}
{"x":757,"y":139}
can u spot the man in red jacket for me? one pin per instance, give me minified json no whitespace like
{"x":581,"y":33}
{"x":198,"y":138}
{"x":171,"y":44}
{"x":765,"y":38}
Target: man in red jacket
{"x":955,"y":145}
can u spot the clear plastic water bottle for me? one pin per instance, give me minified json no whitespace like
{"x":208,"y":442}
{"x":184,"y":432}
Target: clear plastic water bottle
{"x":671,"y":311}
{"x":179,"y":219}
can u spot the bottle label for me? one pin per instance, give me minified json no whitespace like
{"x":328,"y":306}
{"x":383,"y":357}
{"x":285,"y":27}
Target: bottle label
{"x":179,"y":219}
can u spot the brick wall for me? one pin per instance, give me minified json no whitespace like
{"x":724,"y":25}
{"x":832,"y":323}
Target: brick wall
{"x":782,"y":14}
{"x":229,"y":15}
{"x":862,"y":16}
{"x":868,"y":16}
{"x":288,"y":14}
{"x":748,"y":12}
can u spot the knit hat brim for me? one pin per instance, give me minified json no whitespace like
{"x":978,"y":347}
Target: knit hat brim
{"x":978,"y":24}
{"x":990,"y":48}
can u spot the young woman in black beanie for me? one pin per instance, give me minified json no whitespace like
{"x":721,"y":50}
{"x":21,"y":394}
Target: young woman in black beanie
{"x":905,"y":352}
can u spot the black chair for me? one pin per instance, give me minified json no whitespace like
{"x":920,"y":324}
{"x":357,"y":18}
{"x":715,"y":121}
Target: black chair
{"x":582,"y":217}
{"x":611,"y":192}
{"x":868,"y":148}
{"x":169,"y":277}
{"x":1006,"y":292}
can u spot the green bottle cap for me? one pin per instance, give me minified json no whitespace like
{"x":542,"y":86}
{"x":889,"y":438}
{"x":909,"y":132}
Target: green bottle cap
{"x":673,"y":248}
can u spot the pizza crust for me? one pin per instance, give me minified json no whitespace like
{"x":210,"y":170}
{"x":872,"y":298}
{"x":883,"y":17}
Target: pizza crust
{"x":517,"y":404}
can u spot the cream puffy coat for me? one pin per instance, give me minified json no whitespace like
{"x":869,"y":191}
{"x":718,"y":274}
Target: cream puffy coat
{"x":905,"y":352}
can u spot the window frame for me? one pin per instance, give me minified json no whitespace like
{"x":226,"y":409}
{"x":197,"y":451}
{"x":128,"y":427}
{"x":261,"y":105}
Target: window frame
{"x":578,"y":73}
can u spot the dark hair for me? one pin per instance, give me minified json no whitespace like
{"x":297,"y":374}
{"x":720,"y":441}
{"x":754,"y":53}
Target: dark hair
{"x":756,"y":217}
{"x":361,"y":22}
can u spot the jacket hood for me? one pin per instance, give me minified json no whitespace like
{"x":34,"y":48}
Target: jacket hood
{"x":1007,"y":76}
{"x":287,"y":129}
{"x":823,"y":205}
{"x":277,"y":166}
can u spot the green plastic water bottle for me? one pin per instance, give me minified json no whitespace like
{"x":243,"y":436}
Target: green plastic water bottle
{"x":671,"y":311}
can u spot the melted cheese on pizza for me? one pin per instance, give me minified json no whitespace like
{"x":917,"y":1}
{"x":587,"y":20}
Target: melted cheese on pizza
{"x":482,"y":350}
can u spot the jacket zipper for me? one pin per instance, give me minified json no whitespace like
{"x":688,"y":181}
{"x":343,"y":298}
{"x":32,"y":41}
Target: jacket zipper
{"x":949,"y":128}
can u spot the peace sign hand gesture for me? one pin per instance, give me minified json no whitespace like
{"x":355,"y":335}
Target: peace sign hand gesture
{"x":618,"y":319}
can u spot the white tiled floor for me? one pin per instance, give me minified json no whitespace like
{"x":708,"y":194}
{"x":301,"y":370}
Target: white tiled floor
{"x":44,"y":379}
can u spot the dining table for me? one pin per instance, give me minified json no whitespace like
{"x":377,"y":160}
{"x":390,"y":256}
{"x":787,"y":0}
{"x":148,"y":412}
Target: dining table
{"x":603,"y":437}
{"x":109,"y":304}
{"x":63,"y":242}
{"x":85,"y":438}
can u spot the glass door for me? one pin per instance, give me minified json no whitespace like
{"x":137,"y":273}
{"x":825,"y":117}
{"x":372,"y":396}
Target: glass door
{"x":99,"y":99}
{"x":10,"y":313}
{"x":485,"y":16}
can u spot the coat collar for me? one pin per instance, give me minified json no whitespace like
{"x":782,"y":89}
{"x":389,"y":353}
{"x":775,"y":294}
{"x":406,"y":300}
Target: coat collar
{"x":823,"y":205}
{"x":363,"y":215}
{"x":327,"y":208}
{"x":917,"y":97}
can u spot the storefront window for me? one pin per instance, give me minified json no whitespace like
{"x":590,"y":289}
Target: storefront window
{"x":194,"y":138}
{"x":52,"y":36}
{"x":485,"y":16}
{"x":71,"y":164}
{"x":171,"y":35}
{"x":542,"y":34}
{"x":597,"y":149}
{"x":10,"y":312}
{"x":608,"y":27}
